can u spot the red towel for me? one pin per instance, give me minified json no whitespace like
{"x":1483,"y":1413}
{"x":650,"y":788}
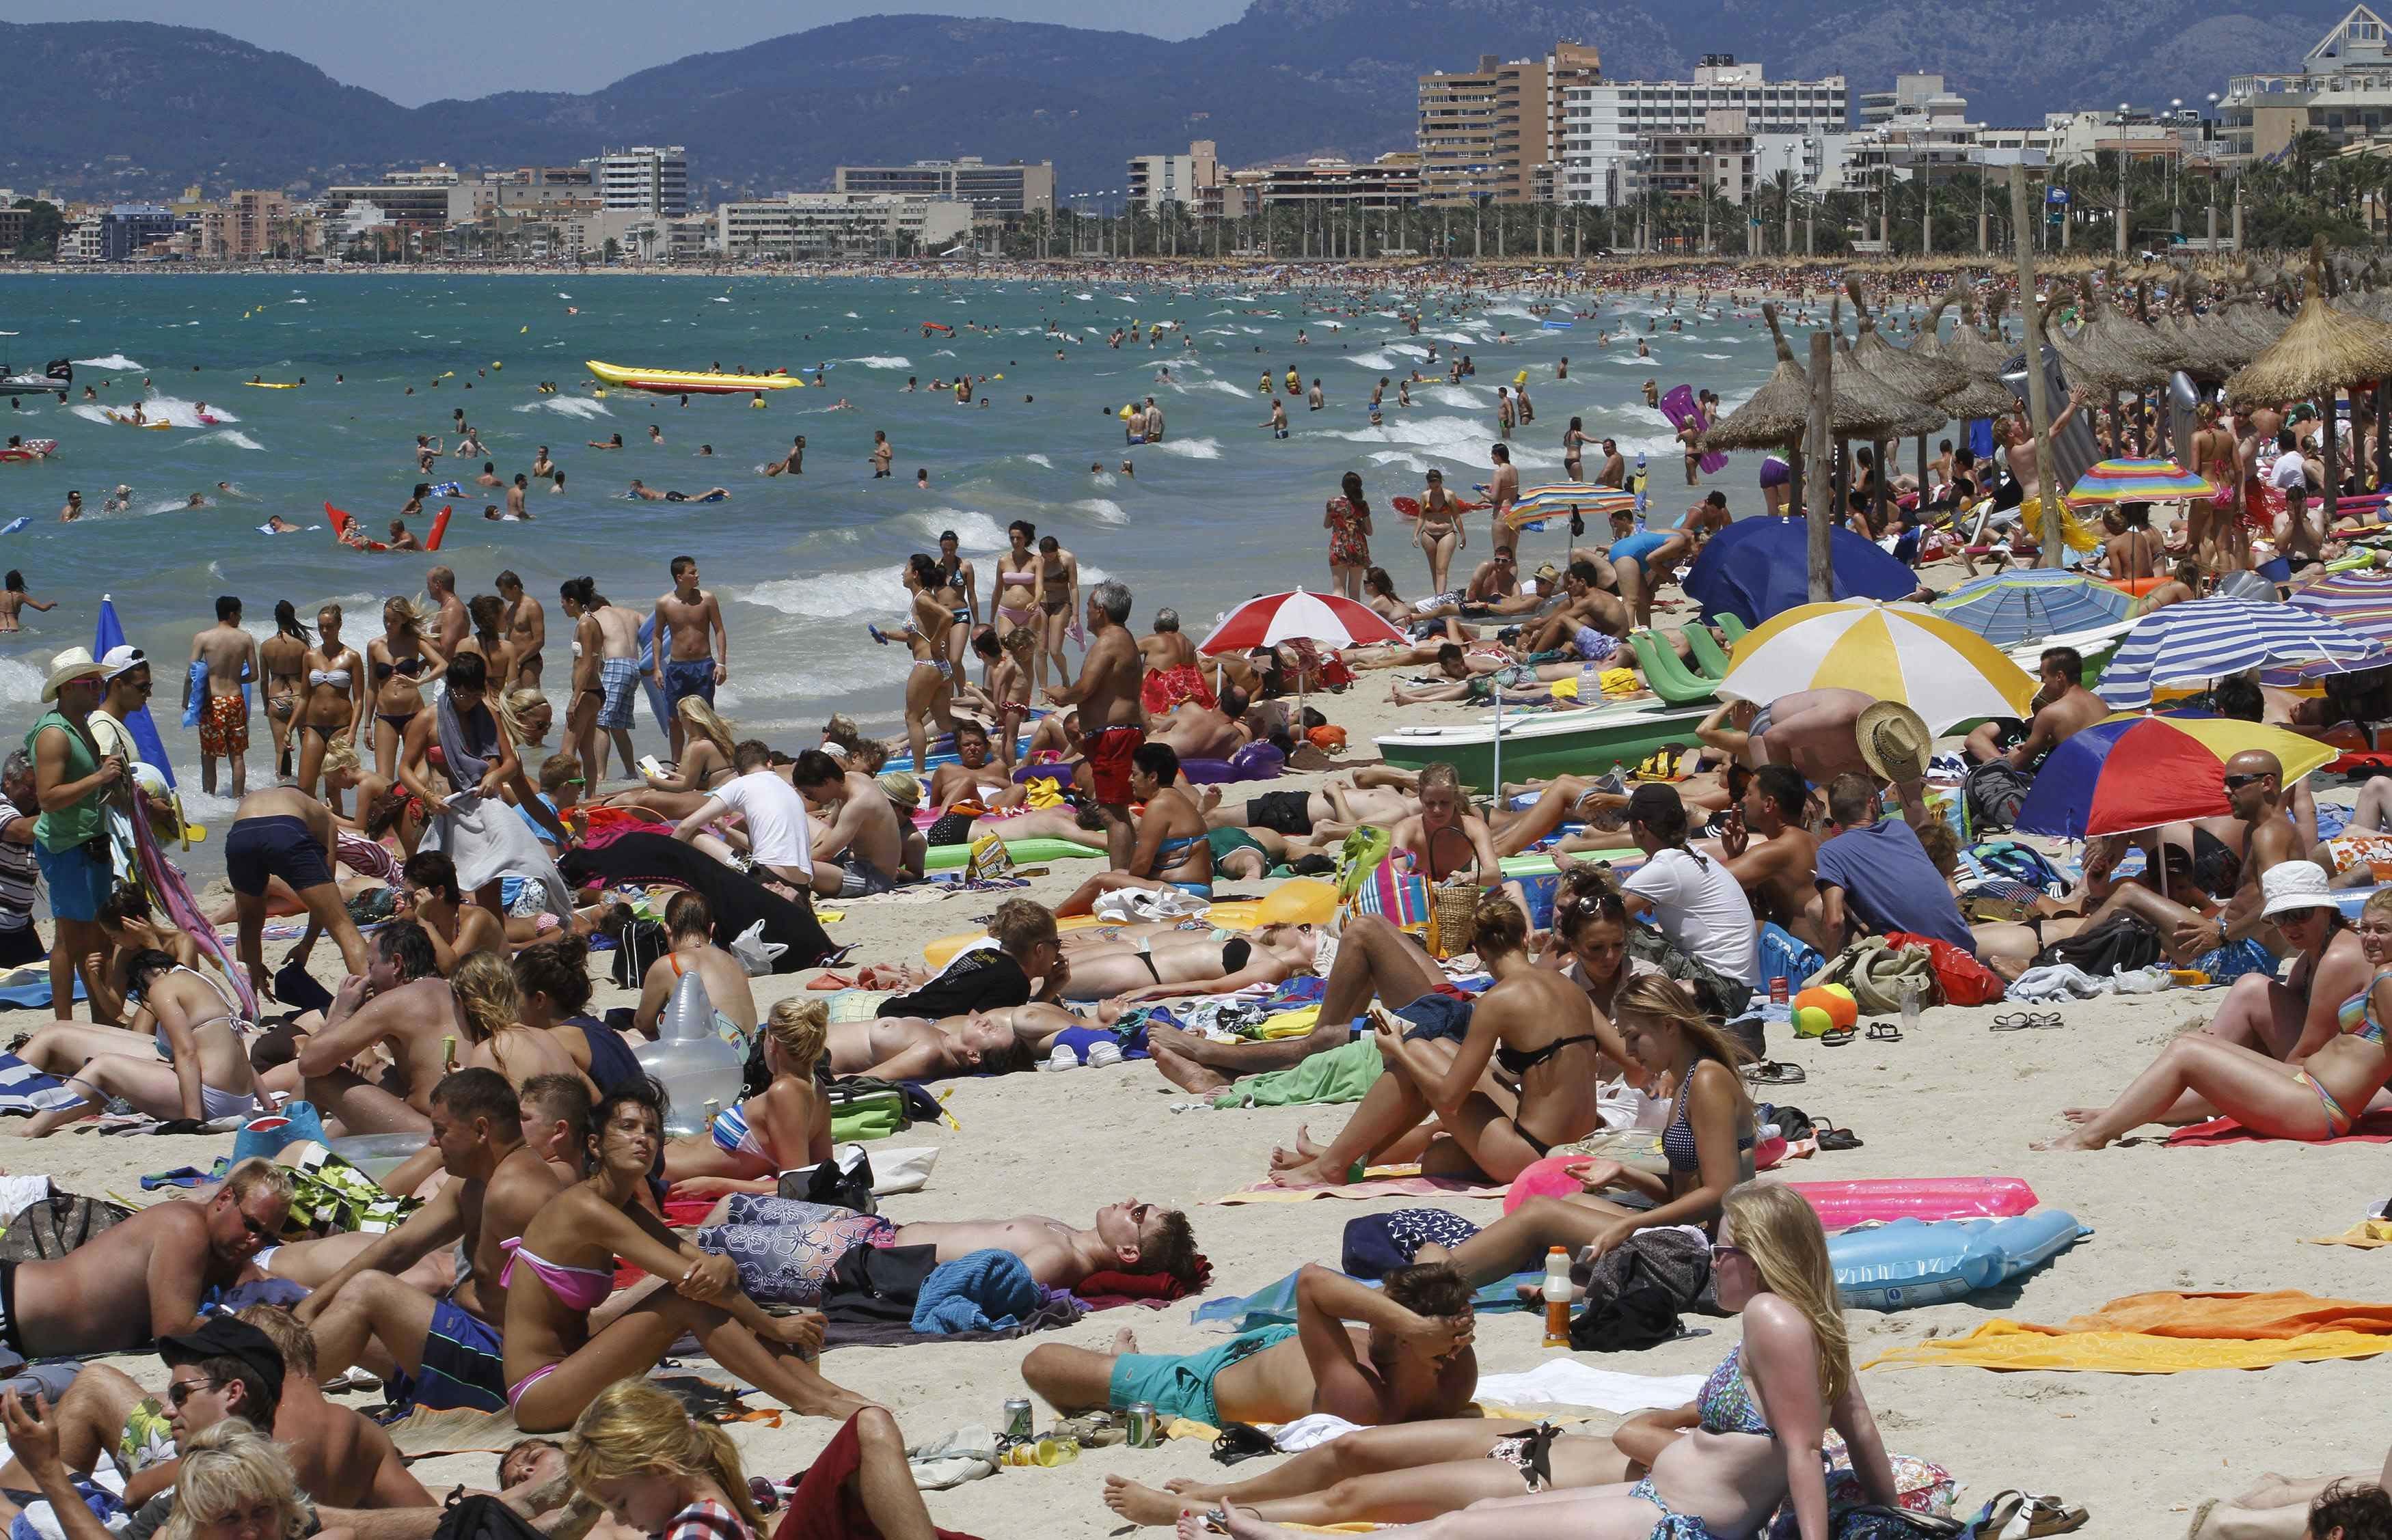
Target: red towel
{"x":2373,"y":1129}
{"x":1166,"y":688}
{"x":1104,"y":1290}
{"x":826,"y":1506}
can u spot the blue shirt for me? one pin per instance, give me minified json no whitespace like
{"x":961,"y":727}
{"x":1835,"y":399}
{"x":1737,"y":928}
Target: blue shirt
{"x":1889,"y":884}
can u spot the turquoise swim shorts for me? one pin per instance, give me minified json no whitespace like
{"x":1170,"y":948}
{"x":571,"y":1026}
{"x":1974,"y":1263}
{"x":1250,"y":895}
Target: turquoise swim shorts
{"x":1181,"y":1386}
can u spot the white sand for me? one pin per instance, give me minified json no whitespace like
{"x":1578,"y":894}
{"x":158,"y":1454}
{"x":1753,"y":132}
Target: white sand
{"x":1953,"y":1099}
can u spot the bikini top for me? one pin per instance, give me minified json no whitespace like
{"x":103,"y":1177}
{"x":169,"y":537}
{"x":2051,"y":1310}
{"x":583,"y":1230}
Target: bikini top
{"x":576,"y":1287}
{"x":232,"y":1016}
{"x":1003,"y":577}
{"x":1168,"y":855}
{"x":1678,"y":1140}
{"x":329,"y":675}
{"x":1726,"y":1403}
{"x":2357,"y":1014}
{"x":1520,"y":1061}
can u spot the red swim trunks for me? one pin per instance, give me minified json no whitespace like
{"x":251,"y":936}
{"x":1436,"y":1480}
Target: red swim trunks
{"x":1109,"y":761}
{"x":223,"y":727}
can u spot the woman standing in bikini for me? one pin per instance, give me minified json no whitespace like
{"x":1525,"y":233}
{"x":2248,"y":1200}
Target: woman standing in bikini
{"x":1440,"y":532}
{"x":331,"y":699}
{"x":563,"y":1268}
{"x":282,"y":659}
{"x":1017,"y":592}
{"x":489,"y":636}
{"x":1058,"y":600}
{"x":1430,"y":1106}
{"x":398,"y":663}
{"x":930,"y":682}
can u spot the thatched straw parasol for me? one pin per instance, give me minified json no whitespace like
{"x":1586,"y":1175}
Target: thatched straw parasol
{"x":1877,"y":410}
{"x":1777,"y":414}
{"x":1916,"y":375}
{"x":2320,"y":351}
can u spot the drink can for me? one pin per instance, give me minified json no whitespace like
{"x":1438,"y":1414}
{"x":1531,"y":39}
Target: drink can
{"x":1016,"y":1417}
{"x":1145,"y":1428}
{"x":1780,"y":990}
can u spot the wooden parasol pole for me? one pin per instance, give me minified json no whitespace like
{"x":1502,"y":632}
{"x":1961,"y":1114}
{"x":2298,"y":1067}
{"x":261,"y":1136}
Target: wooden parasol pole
{"x":1816,"y":450}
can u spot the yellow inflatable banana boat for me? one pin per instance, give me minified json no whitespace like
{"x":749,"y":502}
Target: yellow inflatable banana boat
{"x":673,"y":382}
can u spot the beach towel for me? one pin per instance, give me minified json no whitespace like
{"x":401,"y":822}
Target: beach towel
{"x":738,"y":901}
{"x":25,"y":1090}
{"x":1568,"y":1382}
{"x":1377,"y":1182}
{"x":29,"y":989}
{"x":986,"y":1290}
{"x":1105,"y":1290}
{"x":2376,"y":1128}
{"x":1343,"y":1074}
{"x":826,"y":1506}
{"x":462,"y":1432}
{"x":2367,"y":1235}
{"x":2166,"y":1332}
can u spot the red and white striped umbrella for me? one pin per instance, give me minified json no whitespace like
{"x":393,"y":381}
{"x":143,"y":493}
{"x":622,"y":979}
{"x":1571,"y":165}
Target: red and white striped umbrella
{"x":1330,"y":619}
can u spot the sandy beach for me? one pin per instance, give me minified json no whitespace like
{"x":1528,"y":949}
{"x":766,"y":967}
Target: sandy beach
{"x":1952,"y":1099}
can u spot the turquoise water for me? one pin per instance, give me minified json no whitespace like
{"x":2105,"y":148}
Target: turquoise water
{"x":1216,"y":514}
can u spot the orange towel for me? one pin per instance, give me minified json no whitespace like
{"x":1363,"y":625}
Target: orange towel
{"x":2165,"y":1333}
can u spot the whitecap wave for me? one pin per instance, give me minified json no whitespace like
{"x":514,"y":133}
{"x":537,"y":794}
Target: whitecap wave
{"x":1040,"y":460}
{"x":112,"y":361}
{"x":21,"y":682}
{"x":1103,"y":509}
{"x":883,"y":360}
{"x":1371,"y":360}
{"x":1194,"y":448}
{"x":832,"y":595}
{"x":1397,"y":459}
{"x":238,"y":439}
{"x":974,"y":530}
{"x":568,"y":406}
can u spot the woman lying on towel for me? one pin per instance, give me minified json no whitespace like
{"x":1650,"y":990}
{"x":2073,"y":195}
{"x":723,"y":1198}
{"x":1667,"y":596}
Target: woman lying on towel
{"x":1435,"y":1103}
{"x":1166,"y":963}
{"x":1750,"y":1443}
{"x":2315,"y":1091}
{"x":786,"y":1126}
{"x":916,"y":1048}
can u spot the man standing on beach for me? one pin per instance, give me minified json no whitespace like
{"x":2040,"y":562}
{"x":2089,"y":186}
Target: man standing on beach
{"x":451,"y":623}
{"x":882,"y":453}
{"x":231,"y":656}
{"x":695,"y":622}
{"x":526,"y":625}
{"x":1502,"y":493}
{"x":1111,"y":714}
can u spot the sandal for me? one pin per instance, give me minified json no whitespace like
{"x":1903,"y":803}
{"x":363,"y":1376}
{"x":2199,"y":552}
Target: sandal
{"x":2024,"y":1516}
{"x":1772,"y":1072}
{"x":2020,"y":1021}
{"x":1832,"y":1137}
{"x":1884,"y":1031}
{"x":1836,"y":1037}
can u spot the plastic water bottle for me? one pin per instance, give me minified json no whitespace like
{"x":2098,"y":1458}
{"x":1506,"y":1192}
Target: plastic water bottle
{"x":1557,"y":1298}
{"x":1909,"y":1009}
{"x":690,"y":1060}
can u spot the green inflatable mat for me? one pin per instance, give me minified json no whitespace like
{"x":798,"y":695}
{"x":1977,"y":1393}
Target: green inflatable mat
{"x":947,"y":858}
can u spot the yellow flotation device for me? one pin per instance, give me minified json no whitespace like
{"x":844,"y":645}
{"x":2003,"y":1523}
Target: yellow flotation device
{"x":1125,"y":414}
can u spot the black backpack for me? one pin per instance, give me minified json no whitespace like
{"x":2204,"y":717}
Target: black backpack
{"x":1641,"y":1312}
{"x":2123,"y":941}
{"x":483,"y":1517}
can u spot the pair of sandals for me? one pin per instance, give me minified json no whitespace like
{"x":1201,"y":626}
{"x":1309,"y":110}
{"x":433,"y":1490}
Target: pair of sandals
{"x":2011,"y":1516}
{"x":1878,"y":1031}
{"x":2022,"y":1021}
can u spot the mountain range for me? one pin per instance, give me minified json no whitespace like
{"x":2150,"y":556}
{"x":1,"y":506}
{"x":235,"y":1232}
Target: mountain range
{"x":136,"y":109}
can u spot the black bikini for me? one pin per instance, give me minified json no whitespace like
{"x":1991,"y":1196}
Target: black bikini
{"x":1518,"y":1062}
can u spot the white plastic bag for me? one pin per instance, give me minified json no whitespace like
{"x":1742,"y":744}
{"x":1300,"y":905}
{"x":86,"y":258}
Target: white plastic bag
{"x":755,"y":954}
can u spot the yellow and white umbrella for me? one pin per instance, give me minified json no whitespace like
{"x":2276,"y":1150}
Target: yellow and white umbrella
{"x":1945,"y":672}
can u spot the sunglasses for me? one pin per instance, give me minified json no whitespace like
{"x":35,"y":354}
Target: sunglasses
{"x":2236,"y":782}
{"x":182,"y":1390}
{"x":1720,"y":1250}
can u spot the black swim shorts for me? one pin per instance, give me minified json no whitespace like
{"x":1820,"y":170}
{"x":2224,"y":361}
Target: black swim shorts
{"x":279,"y":846}
{"x":1286,"y":813}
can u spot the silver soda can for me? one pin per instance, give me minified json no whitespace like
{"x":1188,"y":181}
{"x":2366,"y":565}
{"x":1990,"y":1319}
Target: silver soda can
{"x":1145,"y":1428}
{"x":1016,"y":1417}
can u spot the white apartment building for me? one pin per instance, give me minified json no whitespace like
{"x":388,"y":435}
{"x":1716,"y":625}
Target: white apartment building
{"x":1158,"y":181}
{"x":1603,"y":126}
{"x":643,"y":179}
{"x":1919,"y":124}
{"x":2343,"y":89}
{"x":818,"y":224}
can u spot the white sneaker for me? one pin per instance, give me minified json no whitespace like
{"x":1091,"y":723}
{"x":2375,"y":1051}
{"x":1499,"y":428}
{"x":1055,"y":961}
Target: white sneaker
{"x":1062,"y":1058}
{"x":1104,"y":1056}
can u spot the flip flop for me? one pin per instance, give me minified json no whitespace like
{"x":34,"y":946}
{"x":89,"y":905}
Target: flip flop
{"x":2020,"y":1021}
{"x":1774,"y":1073}
{"x":1884,"y":1031}
{"x":1832,"y":1137}
{"x":1836,"y":1037}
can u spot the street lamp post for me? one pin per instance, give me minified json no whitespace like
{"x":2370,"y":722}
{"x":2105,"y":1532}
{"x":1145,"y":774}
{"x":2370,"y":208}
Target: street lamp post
{"x":2122,"y":110}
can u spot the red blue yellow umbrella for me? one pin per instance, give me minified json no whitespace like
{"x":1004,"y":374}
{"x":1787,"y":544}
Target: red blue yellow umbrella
{"x":2138,"y":771}
{"x":2138,"y":481}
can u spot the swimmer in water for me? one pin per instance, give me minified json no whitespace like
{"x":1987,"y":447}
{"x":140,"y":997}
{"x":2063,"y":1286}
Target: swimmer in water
{"x":197,"y":501}
{"x":276,"y":524}
{"x":230,"y":490}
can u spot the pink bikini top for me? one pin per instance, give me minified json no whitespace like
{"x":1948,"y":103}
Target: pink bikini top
{"x":578,"y":1287}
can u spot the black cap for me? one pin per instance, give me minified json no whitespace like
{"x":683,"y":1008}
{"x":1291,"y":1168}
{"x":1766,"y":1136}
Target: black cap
{"x":1651,"y":800}
{"x":223,"y":1336}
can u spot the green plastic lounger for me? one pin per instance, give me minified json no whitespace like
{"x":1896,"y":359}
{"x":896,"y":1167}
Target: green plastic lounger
{"x":1733,"y":625}
{"x":1710,"y":658}
{"x":1665,"y":673}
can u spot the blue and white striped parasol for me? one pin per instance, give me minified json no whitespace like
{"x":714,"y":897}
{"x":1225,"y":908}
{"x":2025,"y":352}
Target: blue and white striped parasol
{"x":2192,"y":644}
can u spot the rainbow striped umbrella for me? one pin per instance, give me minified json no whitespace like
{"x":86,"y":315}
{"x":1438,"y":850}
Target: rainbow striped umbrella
{"x":2361,"y":600}
{"x":2138,"y":481}
{"x":1945,"y":672}
{"x":1597,"y":504}
{"x":2138,"y":771}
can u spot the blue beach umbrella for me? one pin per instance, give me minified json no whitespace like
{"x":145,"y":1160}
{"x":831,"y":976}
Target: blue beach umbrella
{"x":2009,"y":608}
{"x":1756,"y":568}
{"x":2189,"y":646}
{"x":144,"y":730}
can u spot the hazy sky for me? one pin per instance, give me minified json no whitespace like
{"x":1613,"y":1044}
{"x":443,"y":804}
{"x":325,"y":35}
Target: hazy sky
{"x":417,"y":53}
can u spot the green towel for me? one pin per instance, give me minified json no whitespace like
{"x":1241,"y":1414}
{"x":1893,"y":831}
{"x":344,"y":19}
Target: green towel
{"x":873,"y":1117}
{"x":1340,"y":1075}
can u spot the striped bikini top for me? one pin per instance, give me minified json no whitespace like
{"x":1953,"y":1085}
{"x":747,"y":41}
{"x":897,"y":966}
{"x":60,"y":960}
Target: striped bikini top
{"x":2357,"y":1015}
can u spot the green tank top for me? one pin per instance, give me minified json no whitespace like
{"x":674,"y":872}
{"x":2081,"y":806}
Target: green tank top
{"x":68,"y":827}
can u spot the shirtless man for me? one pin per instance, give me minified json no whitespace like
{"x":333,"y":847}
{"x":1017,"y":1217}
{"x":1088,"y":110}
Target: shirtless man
{"x":1779,"y":872}
{"x":515,"y":509}
{"x":452,"y":622}
{"x":1410,"y":1359}
{"x":527,"y":630}
{"x":444,"y":1351}
{"x":1319,"y":817}
{"x":971,"y":778}
{"x":1811,"y":730}
{"x":882,"y":453}
{"x":1503,"y":491}
{"x":2255,"y":788}
{"x":1443,"y":838}
{"x":541,"y":466}
{"x":1168,"y":647}
{"x":791,"y":464}
{"x":700,"y":647}
{"x":865,"y":848}
{"x":231,"y":656}
{"x":1197,"y":732}
{"x":2134,"y":552}
{"x":1584,"y":609}
{"x":401,"y":1004}
{"x":490,"y":476}
{"x":145,"y":1278}
{"x":2065,"y":708}
{"x":1615,"y":469}
{"x":1111,"y":713}
{"x":282,"y":832}
{"x":2024,"y":453}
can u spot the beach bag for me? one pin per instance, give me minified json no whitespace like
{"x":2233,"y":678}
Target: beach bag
{"x":642,"y":942}
{"x":1634,"y":1296}
{"x":49,"y":1230}
{"x":842,"y":1182}
{"x":1959,"y":978}
{"x":2127,"y":941}
{"x":1718,"y":994}
{"x":1453,"y":920}
{"x":1877,"y":972}
{"x":1993,"y":792}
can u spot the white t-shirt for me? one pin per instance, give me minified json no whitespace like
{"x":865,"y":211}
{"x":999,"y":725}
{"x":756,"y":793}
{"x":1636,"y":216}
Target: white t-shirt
{"x":1702,"y":909}
{"x":2289,"y":471}
{"x":777,"y":831}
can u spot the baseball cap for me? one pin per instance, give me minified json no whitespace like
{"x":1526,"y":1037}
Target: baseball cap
{"x":223,"y":1336}
{"x":1647,"y":802}
{"x":120,"y":660}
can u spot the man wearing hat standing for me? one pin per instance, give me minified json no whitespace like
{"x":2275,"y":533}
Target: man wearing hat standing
{"x":73,"y":780}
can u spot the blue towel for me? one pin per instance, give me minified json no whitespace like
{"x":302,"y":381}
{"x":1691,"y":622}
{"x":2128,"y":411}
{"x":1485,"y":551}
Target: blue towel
{"x":1784,"y":955}
{"x":26,"y":1090}
{"x":199,"y":693}
{"x":988,"y":1290}
{"x":30,"y":988}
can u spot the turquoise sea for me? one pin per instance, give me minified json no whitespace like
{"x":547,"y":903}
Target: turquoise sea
{"x":1216,"y":512}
